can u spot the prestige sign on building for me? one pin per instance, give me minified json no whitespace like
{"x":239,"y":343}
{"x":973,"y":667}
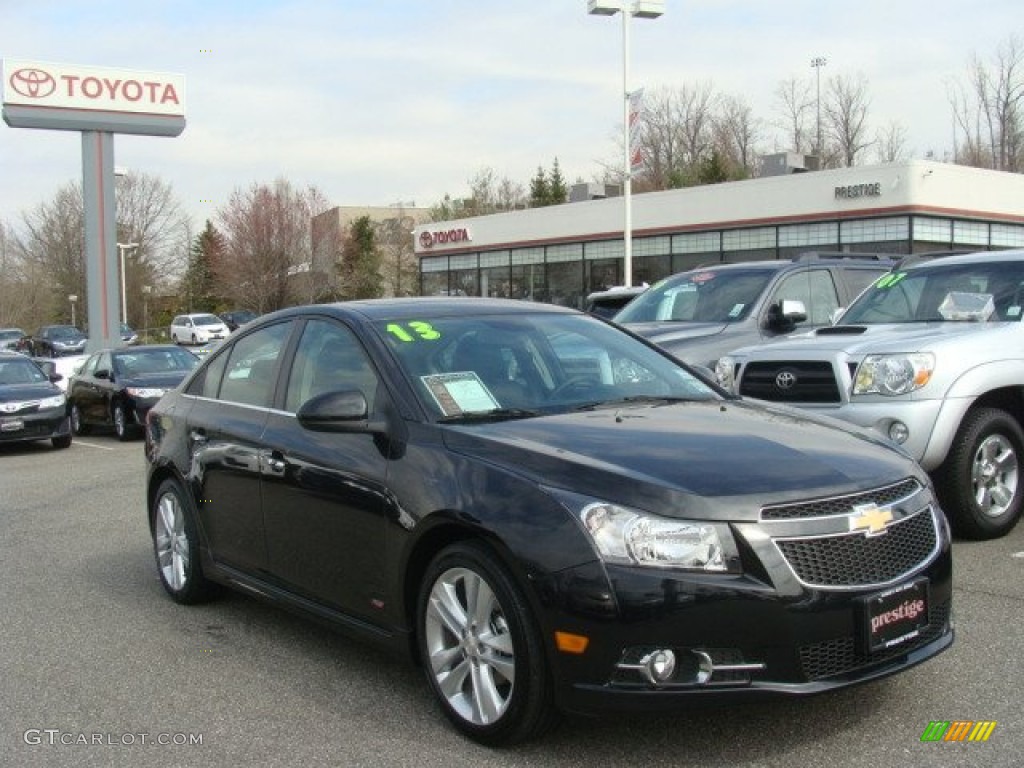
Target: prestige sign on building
{"x":73,"y":97}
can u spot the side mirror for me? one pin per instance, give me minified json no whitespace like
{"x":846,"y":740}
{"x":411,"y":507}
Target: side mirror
{"x":341,"y":411}
{"x":784,"y":315}
{"x":55,"y":377}
{"x":102,"y":373}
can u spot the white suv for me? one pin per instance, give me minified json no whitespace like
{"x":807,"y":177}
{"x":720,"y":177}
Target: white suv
{"x":197,"y":329}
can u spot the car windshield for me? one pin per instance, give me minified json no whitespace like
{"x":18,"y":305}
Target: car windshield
{"x":700,"y":296}
{"x":20,"y":372}
{"x":6,"y":335}
{"x":976,"y":291}
{"x":206,"y":320}
{"x":532,"y":363}
{"x":147,"y":361}
{"x":65,"y":332}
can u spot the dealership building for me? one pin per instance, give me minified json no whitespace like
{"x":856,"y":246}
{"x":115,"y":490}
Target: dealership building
{"x":561,"y":253}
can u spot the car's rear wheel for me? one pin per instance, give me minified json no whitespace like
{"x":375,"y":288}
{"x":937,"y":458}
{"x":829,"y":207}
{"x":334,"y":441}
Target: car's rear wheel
{"x":174,"y":338}
{"x":176,"y":546}
{"x":481,"y":648}
{"x":78,"y":426}
{"x":981,"y":482}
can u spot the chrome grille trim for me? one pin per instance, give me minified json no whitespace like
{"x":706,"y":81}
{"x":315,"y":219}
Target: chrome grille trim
{"x":884,"y":496}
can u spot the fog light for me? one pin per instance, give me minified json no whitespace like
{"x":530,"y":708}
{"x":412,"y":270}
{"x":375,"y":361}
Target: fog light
{"x":899,"y":432}
{"x":659,"y":666}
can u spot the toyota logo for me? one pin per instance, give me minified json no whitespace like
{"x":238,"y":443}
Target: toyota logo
{"x":33,"y":83}
{"x":426,"y":239}
{"x":785,"y":380}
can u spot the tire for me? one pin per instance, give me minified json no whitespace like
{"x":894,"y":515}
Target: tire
{"x":981,"y":482}
{"x":174,"y":338}
{"x":78,"y":426}
{"x":62,"y":442}
{"x":194,"y":338}
{"x":176,"y":546}
{"x":495,"y":658}
{"x":122,"y":428}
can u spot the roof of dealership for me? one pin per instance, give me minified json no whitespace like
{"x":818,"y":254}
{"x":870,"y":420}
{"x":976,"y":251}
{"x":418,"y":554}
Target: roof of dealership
{"x":918,"y":187}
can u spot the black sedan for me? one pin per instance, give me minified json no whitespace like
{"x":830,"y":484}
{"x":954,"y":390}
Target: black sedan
{"x":117,"y":387}
{"x":32,"y":407}
{"x":546,"y":512}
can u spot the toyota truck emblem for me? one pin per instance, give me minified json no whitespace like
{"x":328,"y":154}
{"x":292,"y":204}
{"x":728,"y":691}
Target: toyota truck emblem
{"x":785,"y":380}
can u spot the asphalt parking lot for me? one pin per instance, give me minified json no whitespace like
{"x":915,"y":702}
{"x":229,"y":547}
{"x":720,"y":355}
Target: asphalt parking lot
{"x":99,"y":667}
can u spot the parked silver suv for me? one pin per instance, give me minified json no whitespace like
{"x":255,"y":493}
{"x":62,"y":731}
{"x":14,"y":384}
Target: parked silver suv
{"x":932,"y":357}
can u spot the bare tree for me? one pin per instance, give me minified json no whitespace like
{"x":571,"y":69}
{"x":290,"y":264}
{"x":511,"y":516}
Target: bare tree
{"x":989,"y":110}
{"x":890,"y":142}
{"x":736,"y":131}
{"x":676,"y":133}
{"x":268,"y":254}
{"x":796,"y":104}
{"x":398,"y":261}
{"x":846,"y":112}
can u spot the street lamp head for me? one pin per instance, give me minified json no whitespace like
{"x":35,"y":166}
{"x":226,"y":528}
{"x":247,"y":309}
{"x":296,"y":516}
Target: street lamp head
{"x":819,"y":61}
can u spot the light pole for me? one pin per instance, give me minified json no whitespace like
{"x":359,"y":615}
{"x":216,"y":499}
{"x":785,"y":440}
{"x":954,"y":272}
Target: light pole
{"x":73,"y":298}
{"x":818,"y":62}
{"x":643,"y":9}
{"x":122,"y":247}
{"x":146,"y":290}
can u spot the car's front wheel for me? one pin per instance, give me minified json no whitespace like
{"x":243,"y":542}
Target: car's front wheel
{"x":121,"y":427}
{"x":481,"y":648}
{"x":176,"y":546}
{"x":981,"y":482}
{"x":78,"y":426}
{"x":64,"y":441}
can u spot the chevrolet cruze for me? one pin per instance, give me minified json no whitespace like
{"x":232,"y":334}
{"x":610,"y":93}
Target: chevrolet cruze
{"x":545,"y":512}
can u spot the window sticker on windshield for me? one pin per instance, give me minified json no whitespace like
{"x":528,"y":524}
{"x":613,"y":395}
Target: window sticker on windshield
{"x":458,"y":393}
{"x":736,"y":310}
{"x":1013,"y":311}
{"x":702,"y":277}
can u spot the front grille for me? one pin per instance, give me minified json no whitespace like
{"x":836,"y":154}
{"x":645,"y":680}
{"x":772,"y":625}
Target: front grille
{"x":854,"y":559}
{"x":843,"y":505}
{"x":844,"y":654}
{"x":810,"y":382}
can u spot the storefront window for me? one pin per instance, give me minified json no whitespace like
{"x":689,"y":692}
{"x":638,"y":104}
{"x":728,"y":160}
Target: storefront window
{"x":565,"y":284}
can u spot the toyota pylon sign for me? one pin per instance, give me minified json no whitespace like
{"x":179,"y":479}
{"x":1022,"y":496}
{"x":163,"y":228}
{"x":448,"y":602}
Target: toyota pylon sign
{"x":40,"y":94}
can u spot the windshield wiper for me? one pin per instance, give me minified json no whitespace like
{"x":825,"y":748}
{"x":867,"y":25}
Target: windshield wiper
{"x":640,"y":399}
{"x":496,"y":414}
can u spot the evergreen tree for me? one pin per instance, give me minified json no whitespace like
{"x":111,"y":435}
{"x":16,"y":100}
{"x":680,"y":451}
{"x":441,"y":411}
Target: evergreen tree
{"x":361,"y":262}
{"x":558,"y":192}
{"x":198,"y":284}
{"x":540,"y":189}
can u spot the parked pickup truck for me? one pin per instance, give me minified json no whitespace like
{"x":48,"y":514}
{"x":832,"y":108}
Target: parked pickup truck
{"x":931,"y":356}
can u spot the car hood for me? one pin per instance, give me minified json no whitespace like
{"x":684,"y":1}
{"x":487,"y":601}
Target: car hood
{"x":674,"y":459}
{"x":897,"y":337}
{"x":17,"y":393}
{"x":666,"y":332}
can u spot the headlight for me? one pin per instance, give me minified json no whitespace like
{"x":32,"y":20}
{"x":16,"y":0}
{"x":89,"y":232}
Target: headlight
{"x":146,"y":392}
{"x":57,"y":401}
{"x":893,"y":375}
{"x":724,"y":372}
{"x":623,"y":535}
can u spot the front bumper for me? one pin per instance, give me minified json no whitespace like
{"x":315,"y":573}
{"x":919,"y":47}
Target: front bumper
{"x":34,"y":425}
{"x":737,"y":637}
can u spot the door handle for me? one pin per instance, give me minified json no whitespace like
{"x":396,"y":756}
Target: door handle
{"x":273,"y":463}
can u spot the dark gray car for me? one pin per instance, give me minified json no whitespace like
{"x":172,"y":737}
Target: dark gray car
{"x":707,"y":312}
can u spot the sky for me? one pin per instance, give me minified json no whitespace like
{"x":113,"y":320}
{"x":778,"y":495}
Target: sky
{"x":379,"y":102}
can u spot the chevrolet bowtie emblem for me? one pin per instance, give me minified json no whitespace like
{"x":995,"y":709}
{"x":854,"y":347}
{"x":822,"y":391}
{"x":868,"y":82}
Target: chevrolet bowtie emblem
{"x":870,"y":519}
